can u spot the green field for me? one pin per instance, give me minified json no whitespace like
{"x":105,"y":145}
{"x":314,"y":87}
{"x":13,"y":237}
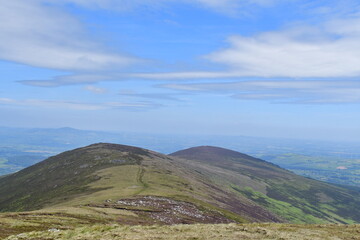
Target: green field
{"x":339,"y":170}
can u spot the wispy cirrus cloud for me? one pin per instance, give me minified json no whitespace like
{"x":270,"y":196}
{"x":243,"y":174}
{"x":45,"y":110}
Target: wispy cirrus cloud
{"x":88,"y":78}
{"x":154,"y":96}
{"x":73,"y":79}
{"x":76,"y":105}
{"x":327,"y":50}
{"x":40,"y":34}
{"x":286,"y":91}
{"x":96,"y":90}
{"x":224,"y":6}
{"x":330,"y":49}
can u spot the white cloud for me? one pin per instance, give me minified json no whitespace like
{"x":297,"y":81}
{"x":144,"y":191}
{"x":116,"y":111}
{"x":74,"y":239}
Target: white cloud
{"x":51,"y":104}
{"x":42,"y":35}
{"x":305,"y":92}
{"x":39,"y":33}
{"x":154,"y":96}
{"x":74,"y":105}
{"x":329,"y":50}
{"x":184,"y":75}
{"x":72,"y":79}
{"x":96,"y":90}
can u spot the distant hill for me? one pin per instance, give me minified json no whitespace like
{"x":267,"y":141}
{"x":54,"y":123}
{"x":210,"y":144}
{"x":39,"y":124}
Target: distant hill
{"x":197,"y":185}
{"x":294,"y":198}
{"x":224,"y":158}
{"x":23,"y":147}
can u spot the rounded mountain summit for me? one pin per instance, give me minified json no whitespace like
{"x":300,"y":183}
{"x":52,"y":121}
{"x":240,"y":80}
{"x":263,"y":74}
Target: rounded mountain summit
{"x":196,"y":185}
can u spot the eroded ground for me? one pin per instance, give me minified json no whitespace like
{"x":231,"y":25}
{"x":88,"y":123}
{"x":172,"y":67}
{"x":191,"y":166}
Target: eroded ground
{"x":161,"y":210}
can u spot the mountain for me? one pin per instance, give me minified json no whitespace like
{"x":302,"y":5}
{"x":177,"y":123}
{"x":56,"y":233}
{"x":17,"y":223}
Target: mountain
{"x":292,"y":197}
{"x":125,"y":184}
{"x":326,"y":161}
{"x":145,"y":184}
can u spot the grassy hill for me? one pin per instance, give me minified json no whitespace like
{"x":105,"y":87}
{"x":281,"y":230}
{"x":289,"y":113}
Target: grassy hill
{"x":118,"y":184}
{"x":101,"y":175}
{"x":23,"y":147}
{"x":294,"y":198}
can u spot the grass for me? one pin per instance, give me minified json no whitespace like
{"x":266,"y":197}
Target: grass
{"x":284,"y":209}
{"x":81,"y":199}
{"x":90,"y":181}
{"x":199,"y":232}
{"x":61,"y":178}
{"x":60,"y":218}
{"x":293,"y":198}
{"x":116,"y":183}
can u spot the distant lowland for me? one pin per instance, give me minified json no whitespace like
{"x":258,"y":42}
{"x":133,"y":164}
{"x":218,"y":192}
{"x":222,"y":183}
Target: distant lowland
{"x":113,"y":191}
{"x":332,"y":162}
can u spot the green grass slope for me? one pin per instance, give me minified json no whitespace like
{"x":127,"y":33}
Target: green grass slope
{"x":131,"y":185}
{"x":63,"y":176}
{"x":294,"y":198}
{"x":117,"y":184}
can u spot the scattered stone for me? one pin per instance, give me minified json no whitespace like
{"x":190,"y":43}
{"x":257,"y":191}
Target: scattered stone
{"x":53,"y":230}
{"x":167,"y":211}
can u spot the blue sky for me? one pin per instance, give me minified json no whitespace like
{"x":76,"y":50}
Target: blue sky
{"x":272,"y":68}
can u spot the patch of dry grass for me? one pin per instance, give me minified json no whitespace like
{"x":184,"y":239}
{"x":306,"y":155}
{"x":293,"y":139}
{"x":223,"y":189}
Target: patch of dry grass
{"x":118,"y":182}
{"x":201,"y":232}
{"x":61,"y":218}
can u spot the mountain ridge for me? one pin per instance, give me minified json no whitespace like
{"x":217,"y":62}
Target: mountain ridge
{"x":198,"y":153}
{"x":273,"y":187}
{"x":232,"y":187}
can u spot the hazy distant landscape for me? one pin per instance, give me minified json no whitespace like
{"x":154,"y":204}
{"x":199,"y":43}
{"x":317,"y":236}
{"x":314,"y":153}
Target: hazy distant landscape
{"x":326,"y":161}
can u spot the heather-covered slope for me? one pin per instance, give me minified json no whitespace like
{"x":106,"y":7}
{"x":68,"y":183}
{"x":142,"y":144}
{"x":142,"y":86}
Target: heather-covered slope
{"x":291,"y":197}
{"x":110,"y":183}
{"x":149,"y":186}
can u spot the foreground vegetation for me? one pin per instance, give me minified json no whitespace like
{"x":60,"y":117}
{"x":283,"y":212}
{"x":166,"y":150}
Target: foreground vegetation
{"x":109,"y":191}
{"x":197,"y":185}
{"x":89,"y":223}
{"x":200,"y":231}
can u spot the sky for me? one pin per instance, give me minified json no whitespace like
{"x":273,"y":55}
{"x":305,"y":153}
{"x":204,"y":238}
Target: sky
{"x":268,"y":68}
